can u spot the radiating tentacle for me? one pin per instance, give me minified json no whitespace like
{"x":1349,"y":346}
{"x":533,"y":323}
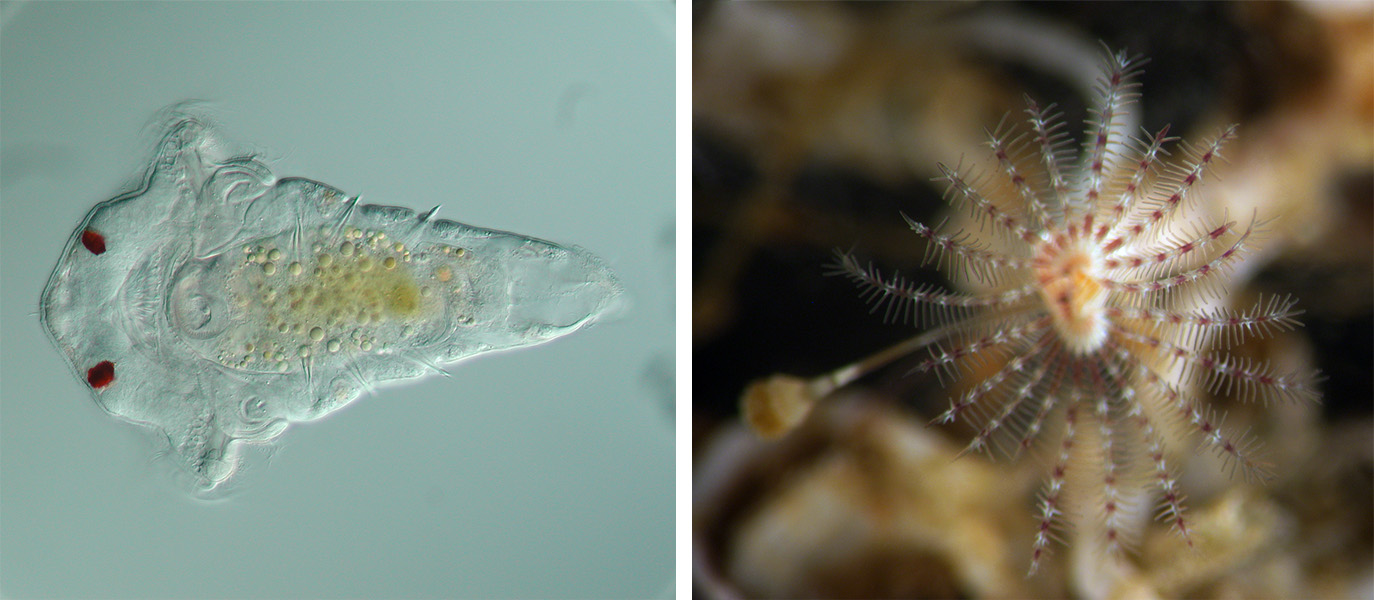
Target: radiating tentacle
{"x":1014,"y":366}
{"x":1056,"y":150}
{"x":1179,"y":182}
{"x":1051,"y":500}
{"x":1133,"y":191}
{"x":1225,"y":375}
{"x":1116,"y":89}
{"x":1230,"y":327}
{"x":960,"y":190}
{"x":904,"y":301}
{"x":956,"y":254}
{"x":1009,"y":149}
{"x":1165,"y":256}
{"x":942,"y":359}
{"x":1171,"y":500}
{"x":1202,"y":279}
{"x":1237,"y":451}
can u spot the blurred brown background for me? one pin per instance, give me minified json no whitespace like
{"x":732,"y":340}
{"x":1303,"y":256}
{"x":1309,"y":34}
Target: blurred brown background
{"x":816,"y":125}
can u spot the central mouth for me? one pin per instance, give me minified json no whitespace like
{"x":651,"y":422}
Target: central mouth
{"x":1068,"y":278}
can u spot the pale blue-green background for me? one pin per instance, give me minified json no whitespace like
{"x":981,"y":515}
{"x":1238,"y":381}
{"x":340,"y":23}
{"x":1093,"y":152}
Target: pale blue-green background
{"x":535,"y":473}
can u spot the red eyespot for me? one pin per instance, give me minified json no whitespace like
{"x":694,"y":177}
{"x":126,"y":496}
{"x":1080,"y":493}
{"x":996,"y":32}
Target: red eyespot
{"x":102,"y":374}
{"x":93,"y":242}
